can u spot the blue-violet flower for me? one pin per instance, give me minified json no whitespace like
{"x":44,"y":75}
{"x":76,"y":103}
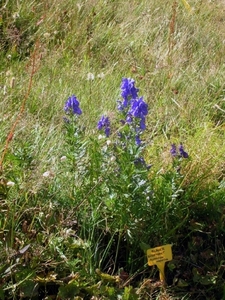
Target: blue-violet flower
{"x":128,"y":90}
{"x":182,"y":152}
{"x":174,"y":152}
{"x":104,"y":123}
{"x":137,"y":140}
{"x":139,"y":109}
{"x":72,"y":105}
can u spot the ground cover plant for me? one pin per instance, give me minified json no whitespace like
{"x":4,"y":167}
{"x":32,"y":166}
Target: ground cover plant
{"x":112,"y":142}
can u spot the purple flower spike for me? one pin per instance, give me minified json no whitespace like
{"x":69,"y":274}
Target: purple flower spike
{"x":72,"y":105}
{"x":128,"y":90}
{"x":104,"y":123}
{"x":182,"y":152}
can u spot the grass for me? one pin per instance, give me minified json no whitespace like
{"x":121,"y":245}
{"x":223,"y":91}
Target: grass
{"x":81,"y":231}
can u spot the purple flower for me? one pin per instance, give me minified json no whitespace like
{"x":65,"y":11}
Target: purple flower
{"x":104,"y":123}
{"x":137,"y":140}
{"x":140,"y":161}
{"x":134,"y":109}
{"x":173,"y":150}
{"x":129,"y":119}
{"x":128,"y":90}
{"x":72,"y":105}
{"x":139,"y":109}
{"x":107,"y":131}
{"x":142,"y":124}
{"x":120,"y":106}
{"x":182,"y":152}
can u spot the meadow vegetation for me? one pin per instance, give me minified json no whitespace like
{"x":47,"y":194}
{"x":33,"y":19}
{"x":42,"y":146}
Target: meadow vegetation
{"x":86,"y":188}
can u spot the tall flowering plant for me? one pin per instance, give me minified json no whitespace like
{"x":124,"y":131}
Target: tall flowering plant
{"x":115,"y":163}
{"x":126,"y":179}
{"x":110,"y":181}
{"x":76,"y":150}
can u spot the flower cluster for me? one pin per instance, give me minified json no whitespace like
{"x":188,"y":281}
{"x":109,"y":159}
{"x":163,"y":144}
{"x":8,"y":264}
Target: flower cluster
{"x":134,"y":108}
{"x":104,"y":123}
{"x":180,"y":152}
{"x":72,"y":105}
{"x":139,"y":109}
{"x":128,"y":91}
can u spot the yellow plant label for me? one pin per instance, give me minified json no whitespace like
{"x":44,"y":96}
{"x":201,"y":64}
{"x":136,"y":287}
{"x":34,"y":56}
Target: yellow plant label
{"x":159,"y":256}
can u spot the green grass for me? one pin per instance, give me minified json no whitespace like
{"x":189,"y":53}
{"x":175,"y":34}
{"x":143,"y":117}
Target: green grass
{"x":83,"y":218}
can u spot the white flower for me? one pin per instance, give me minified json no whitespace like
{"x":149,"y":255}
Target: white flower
{"x":100,"y":136}
{"x":108,"y":142}
{"x":112,"y":159}
{"x":46,"y":174}
{"x":63,"y":158}
{"x":10,"y":183}
{"x":15,"y":15}
{"x":90,"y":76}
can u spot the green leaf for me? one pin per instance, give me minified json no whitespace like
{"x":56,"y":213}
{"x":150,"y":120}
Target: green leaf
{"x":129,"y":294}
{"x":144,"y":247}
{"x":69,"y":291}
{"x":28,"y":288}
